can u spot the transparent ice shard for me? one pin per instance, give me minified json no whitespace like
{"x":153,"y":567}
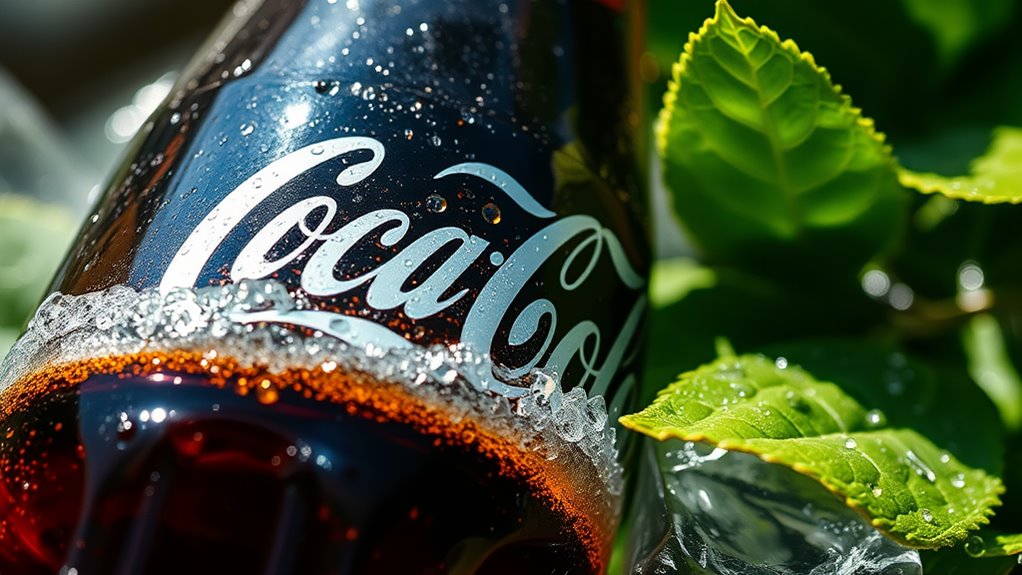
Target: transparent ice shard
{"x":700,"y":510}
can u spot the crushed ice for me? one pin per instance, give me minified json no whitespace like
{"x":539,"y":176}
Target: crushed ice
{"x":120,"y":321}
{"x":701,"y":510}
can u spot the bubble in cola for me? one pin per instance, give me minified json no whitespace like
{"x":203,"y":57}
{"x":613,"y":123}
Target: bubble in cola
{"x":365,"y":297}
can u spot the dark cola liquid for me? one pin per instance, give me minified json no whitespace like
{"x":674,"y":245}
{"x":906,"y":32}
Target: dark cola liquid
{"x":123,"y":474}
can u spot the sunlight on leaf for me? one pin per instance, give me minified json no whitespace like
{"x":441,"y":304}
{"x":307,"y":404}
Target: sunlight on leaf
{"x":991,"y":367}
{"x":767,"y":160}
{"x":995,"y":178}
{"x":908,"y":487}
{"x":957,"y":24}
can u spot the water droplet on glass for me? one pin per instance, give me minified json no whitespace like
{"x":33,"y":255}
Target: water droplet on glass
{"x":436,"y":141}
{"x":340,"y":325}
{"x":247,"y":129}
{"x":316,"y":150}
{"x":409,"y":134}
{"x":436,"y":203}
{"x":496,"y":258}
{"x":491,"y":213}
{"x":974,"y":546}
{"x":328,"y":87}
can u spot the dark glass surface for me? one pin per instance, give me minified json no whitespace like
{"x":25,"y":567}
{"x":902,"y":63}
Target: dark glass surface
{"x":536,"y":89}
{"x":217,"y":482}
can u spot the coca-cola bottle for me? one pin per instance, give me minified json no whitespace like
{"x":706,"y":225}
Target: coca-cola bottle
{"x":365,"y":298}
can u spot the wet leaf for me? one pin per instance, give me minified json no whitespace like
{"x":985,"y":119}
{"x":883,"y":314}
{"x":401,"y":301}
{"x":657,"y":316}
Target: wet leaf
{"x":995,"y":177}
{"x":908,"y":487}
{"x":769,"y":164}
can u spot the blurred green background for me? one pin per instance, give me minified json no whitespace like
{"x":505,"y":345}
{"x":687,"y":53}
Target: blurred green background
{"x":77,"y":78}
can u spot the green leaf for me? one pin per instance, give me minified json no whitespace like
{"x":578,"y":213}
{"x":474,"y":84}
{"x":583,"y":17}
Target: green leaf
{"x":693,"y":305}
{"x":671,"y":280}
{"x":911,"y":393}
{"x":768,"y":163}
{"x":870,"y":45}
{"x":992,"y":369}
{"x":995,"y":178}
{"x":956,"y":561}
{"x":957,"y":24}
{"x":908,"y":487}
{"x":996,"y":544}
{"x":7,"y":338}
{"x":33,"y":238}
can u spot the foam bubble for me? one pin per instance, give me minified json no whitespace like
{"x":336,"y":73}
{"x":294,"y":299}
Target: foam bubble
{"x":568,"y":427}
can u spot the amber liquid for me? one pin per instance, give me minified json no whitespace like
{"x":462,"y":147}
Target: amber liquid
{"x":180,"y":465}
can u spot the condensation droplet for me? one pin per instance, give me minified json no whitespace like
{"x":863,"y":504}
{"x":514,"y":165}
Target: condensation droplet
{"x":247,"y":129}
{"x":409,"y":134}
{"x":340,"y":325}
{"x":496,"y":258}
{"x":974,"y":546}
{"x":491,"y":213}
{"x":327,"y":87}
{"x":850,"y":443}
{"x":436,"y":203}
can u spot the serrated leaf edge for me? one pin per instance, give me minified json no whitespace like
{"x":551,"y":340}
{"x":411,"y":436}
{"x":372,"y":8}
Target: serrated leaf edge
{"x":857,"y":505}
{"x":928,"y":183}
{"x":724,"y":9}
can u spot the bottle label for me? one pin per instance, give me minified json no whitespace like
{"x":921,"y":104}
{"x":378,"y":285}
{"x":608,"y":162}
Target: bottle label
{"x":413,"y":191}
{"x":445,"y":253}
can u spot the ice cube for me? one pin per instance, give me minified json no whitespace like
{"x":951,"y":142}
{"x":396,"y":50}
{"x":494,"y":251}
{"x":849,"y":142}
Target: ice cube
{"x":710,"y":513}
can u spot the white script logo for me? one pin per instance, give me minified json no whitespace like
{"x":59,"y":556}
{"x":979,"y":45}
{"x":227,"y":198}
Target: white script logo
{"x":312,"y":217}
